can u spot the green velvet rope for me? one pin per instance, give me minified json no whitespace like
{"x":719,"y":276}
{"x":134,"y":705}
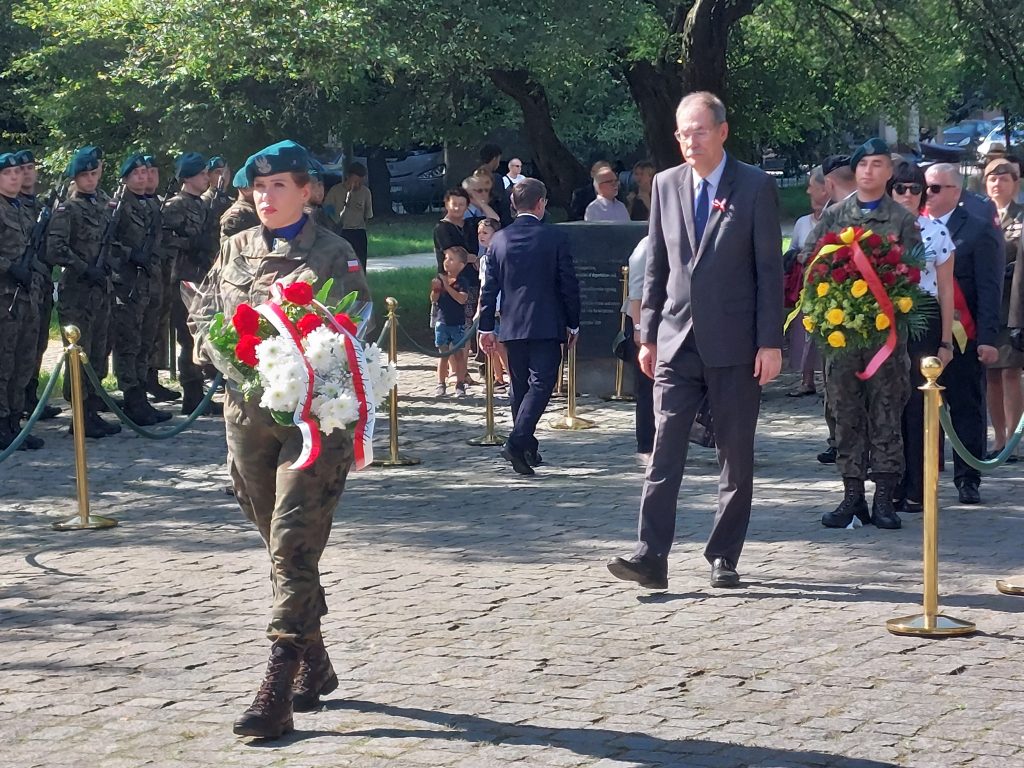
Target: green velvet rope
{"x":44,"y":400}
{"x":470,"y":333}
{"x":982,"y":465}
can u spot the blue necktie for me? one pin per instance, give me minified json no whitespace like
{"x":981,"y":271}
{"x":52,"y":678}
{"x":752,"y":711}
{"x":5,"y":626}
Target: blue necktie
{"x":700,"y":216}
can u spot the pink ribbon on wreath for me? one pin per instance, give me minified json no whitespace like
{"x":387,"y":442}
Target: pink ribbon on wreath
{"x":884,"y":303}
{"x":302,"y":418}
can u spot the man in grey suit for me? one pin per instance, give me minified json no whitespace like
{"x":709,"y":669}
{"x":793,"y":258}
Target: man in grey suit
{"x":711,"y":323}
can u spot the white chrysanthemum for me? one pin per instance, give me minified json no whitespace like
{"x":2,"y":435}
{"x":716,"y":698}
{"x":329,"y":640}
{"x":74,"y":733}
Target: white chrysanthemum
{"x":281,"y":397}
{"x":273,"y":348}
{"x":336,"y":413}
{"x":372,"y":353}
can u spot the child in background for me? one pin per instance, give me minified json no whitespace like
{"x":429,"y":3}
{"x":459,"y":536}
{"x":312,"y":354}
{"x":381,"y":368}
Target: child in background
{"x":450,"y":292}
{"x":485,"y":231}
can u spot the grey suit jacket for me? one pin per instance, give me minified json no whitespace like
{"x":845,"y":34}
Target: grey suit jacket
{"x":727,"y":289}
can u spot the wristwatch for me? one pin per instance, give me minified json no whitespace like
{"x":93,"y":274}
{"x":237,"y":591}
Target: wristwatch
{"x":946,"y":345}
{"x":636,"y":326}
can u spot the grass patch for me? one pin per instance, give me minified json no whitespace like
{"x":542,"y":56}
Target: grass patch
{"x":402,"y":236}
{"x":411,"y":288}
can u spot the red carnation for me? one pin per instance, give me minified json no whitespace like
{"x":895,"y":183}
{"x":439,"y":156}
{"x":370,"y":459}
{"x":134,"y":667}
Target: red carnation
{"x":309,"y":323}
{"x":873,"y":241}
{"x":345,"y":322}
{"x":245,"y":349}
{"x":914,"y":275}
{"x":246,"y":320}
{"x":840,"y":274}
{"x":299,"y":293}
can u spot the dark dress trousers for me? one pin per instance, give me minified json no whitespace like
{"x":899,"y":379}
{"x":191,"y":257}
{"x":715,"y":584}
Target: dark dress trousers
{"x":709,"y":307}
{"x":530,"y":265}
{"x":978,"y":268}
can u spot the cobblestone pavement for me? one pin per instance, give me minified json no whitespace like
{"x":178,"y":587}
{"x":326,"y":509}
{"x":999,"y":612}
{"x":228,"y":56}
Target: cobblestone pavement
{"x":473,"y":622}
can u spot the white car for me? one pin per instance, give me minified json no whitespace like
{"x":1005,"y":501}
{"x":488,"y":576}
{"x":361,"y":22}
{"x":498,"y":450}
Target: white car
{"x":996,"y":139}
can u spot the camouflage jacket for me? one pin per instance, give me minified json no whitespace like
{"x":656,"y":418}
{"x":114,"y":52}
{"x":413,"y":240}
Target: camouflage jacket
{"x":888,"y":218}
{"x":185,"y":236}
{"x":251,"y":262}
{"x":129,"y":235}
{"x":238,"y":218}
{"x":75,"y":233}
{"x":14,"y":234}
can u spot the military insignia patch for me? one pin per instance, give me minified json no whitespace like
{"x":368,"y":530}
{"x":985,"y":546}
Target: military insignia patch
{"x":262,"y":165}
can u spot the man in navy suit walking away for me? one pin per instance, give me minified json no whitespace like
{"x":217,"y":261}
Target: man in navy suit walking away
{"x":530,"y":265}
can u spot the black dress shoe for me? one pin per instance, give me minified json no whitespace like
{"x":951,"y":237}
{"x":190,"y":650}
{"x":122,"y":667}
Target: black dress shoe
{"x":533,"y":458}
{"x":969,"y":493}
{"x":641,"y":570}
{"x":518,"y":461}
{"x":723,"y":573}
{"x":828,"y":456}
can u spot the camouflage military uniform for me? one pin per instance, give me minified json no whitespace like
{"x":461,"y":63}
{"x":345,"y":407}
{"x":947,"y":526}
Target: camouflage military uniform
{"x":42,"y":300}
{"x":73,"y":242}
{"x":217,"y":201}
{"x":868,"y":414}
{"x":292,"y":509}
{"x":18,"y":325}
{"x":153,"y":345}
{"x":238,"y":218}
{"x":131,"y":291}
{"x":186,"y":233}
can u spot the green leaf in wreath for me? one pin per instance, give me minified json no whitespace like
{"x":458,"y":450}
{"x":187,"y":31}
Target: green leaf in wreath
{"x":346,"y":302}
{"x":325,"y":290}
{"x":282,"y":417}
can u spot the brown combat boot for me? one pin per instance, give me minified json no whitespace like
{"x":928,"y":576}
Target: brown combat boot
{"x":270,"y":714}
{"x":315,"y":678}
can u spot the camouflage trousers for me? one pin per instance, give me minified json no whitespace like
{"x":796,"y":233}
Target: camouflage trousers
{"x":149,"y":330}
{"x":161,"y":322}
{"x":127,"y":313}
{"x":19,"y":327}
{"x":87,"y":307}
{"x":45,"y":307}
{"x":292,"y":509}
{"x":868,"y":414}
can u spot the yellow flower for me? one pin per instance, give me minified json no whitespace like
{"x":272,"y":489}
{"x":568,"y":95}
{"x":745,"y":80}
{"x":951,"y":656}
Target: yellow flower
{"x":881,"y":322}
{"x":836,"y":339}
{"x":860,"y":287}
{"x":835,"y":316}
{"x":808,"y":324}
{"x":905,"y":304}
{"x":822,"y":290}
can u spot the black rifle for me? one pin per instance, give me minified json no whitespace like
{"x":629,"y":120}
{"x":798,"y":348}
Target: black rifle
{"x":108,"y":232}
{"x":37,"y":239}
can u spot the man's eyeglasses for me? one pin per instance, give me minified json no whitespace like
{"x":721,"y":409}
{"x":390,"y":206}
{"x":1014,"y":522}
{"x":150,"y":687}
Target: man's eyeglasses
{"x":902,"y":189}
{"x":936,"y":188}
{"x":609,"y":181}
{"x":700,"y":133}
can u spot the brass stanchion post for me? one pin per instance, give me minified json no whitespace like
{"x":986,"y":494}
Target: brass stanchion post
{"x":559,"y":392}
{"x":571,"y":420}
{"x":620,"y":365}
{"x":489,"y":437}
{"x":83,"y":520}
{"x":395,"y":459}
{"x":931,"y":623}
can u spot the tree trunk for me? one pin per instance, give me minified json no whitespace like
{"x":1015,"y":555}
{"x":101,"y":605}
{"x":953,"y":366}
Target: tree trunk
{"x":561,"y":171}
{"x":656,"y":90}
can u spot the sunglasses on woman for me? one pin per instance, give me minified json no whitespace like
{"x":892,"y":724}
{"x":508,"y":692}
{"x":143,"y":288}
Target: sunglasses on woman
{"x":902,"y":189}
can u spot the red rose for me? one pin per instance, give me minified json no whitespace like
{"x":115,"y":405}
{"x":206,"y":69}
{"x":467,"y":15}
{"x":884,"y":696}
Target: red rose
{"x":893,"y":257}
{"x":246,"y":320}
{"x":298,"y":293}
{"x":873,"y":241}
{"x":889,"y":278}
{"x":840,"y":274}
{"x":245,"y":349}
{"x":902,"y":269}
{"x":914,"y":275}
{"x":309,"y":323}
{"x":830,"y":238}
{"x":346,"y":322}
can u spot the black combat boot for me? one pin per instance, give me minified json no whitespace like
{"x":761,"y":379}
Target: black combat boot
{"x":315,"y":678}
{"x":158,"y":391}
{"x":6,"y":436}
{"x":194,"y":395}
{"x":31,"y":442}
{"x":853,"y":504}
{"x":883,"y":511}
{"x":92,"y":407}
{"x":136,"y":410}
{"x":32,"y":400}
{"x":270,"y":715}
{"x":94,"y":425}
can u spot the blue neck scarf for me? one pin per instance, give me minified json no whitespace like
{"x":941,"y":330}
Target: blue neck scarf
{"x":292,"y":230}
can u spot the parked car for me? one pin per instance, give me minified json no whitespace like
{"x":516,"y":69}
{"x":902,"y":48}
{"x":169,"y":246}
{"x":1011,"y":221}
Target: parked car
{"x":996,"y":139}
{"x":417,"y":178}
{"x":967,"y":132}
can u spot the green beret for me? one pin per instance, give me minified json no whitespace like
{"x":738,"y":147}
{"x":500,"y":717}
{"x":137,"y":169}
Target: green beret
{"x":8,"y":160}
{"x":25,"y":157}
{"x":83,"y":160}
{"x":149,"y":160}
{"x":189,"y":164}
{"x":834,"y":162}
{"x":240,"y":181}
{"x":216,"y":162}
{"x":870,"y":147}
{"x":317,"y":170}
{"x":133,"y":161}
{"x":282,"y":157}
{"x":94,"y":150}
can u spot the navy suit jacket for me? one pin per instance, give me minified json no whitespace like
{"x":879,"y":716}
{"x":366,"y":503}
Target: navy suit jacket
{"x":530,"y":265}
{"x":979,"y":266}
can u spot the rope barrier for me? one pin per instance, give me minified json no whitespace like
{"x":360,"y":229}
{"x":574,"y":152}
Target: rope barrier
{"x":152,"y":434}
{"x":44,"y":400}
{"x":982,"y":465}
{"x":470,"y":334}
{"x":384,"y":332}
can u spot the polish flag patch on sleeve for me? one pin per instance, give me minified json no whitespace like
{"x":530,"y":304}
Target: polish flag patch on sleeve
{"x":354,"y":265}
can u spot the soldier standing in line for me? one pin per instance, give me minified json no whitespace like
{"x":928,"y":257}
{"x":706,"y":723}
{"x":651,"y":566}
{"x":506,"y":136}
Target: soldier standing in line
{"x":131,"y":292}
{"x":18,"y":325}
{"x":73,"y":242}
{"x":187,"y":234}
{"x":42,"y":281}
{"x":216,"y":197}
{"x":317,"y":174}
{"x":155,"y":331}
{"x":242,"y":213}
{"x":868,"y":414}
{"x":292,"y":509}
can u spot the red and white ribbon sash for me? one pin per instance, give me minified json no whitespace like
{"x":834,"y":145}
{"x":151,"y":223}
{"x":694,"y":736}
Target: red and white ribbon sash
{"x":884,"y":303}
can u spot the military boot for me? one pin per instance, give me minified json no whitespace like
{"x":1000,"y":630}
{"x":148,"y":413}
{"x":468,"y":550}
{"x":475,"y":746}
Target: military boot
{"x":883,"y":511}
{"x":31,"y":442}
{"x":158,"y":391}
{"x":136,"y":408}
{"x":94,"y":425}
{"x":6,"y":436}
{"x":93,"y":404}
{"x":853,"y":504}
{"x":32,"y":400}
{"x":194,"y":395}
{"x":270,"y":715}
{"x":315,"y":678}
{"x":156,"y":413}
